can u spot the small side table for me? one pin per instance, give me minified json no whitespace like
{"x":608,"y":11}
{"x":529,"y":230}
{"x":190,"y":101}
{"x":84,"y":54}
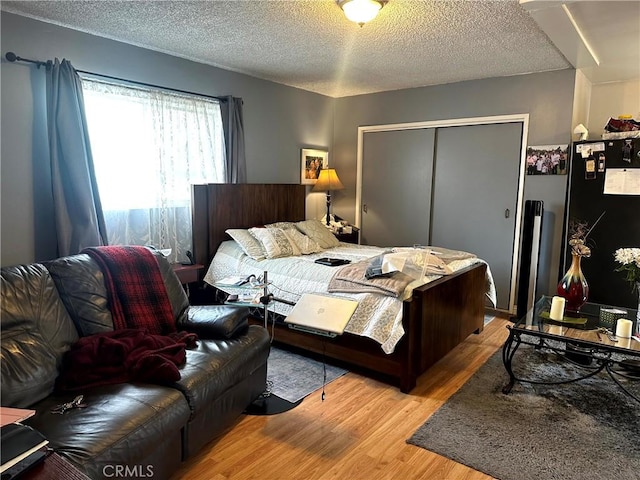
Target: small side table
{"x":188,"y":273}
{"x":353,"y":237}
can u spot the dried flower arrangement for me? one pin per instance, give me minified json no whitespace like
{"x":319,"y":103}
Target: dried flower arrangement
{"x":578,"y":233}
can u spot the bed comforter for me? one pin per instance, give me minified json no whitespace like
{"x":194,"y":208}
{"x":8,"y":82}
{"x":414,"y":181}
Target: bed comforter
{"x":378,"y":317}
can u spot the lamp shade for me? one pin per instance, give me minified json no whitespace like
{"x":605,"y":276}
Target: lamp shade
{"x":582,"y":131}
{"x":327,"y":181}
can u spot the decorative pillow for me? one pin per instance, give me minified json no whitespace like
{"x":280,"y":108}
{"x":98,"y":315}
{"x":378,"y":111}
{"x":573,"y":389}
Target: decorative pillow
{"x":304,"y":243}
{"x":317,"y":231}
{"x":282,"y":225}
{"x":274,"y":242}
{"x":247,"y":242}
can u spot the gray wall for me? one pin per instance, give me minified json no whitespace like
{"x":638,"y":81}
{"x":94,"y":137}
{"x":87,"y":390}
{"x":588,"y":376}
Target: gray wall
{"x":279,"y":120}
{"x":546,"y":97}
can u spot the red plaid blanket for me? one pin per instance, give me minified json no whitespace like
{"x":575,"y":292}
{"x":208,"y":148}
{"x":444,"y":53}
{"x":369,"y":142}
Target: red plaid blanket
{"x":121,"y":356}
{"x":137,"y":294}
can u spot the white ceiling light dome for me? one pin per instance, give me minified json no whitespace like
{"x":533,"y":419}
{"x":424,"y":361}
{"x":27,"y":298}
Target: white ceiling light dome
{"x":361,"y":11}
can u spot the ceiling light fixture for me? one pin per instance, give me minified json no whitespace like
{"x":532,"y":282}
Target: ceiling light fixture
{"x":361,"y":11}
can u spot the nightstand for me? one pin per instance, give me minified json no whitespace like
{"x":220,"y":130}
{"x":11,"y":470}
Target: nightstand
{"x":353,"y":237}
{"x":188,"y":273}
{"x":189,"y":276}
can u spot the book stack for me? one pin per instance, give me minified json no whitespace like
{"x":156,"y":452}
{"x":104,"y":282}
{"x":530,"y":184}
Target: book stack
{"x":21,"y":446}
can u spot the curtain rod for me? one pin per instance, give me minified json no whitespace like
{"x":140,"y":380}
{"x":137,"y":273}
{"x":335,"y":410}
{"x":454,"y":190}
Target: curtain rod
{"x":12,"y":57}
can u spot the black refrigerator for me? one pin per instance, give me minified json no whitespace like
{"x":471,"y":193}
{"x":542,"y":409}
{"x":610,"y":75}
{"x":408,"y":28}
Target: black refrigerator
{"x":603,"y":177}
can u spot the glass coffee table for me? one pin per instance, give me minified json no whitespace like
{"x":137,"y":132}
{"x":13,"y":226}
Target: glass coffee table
{"x":581,"y":340}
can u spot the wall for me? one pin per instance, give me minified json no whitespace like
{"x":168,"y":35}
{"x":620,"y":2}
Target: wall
{"x":581,"y":103}
{"x":611,"y":100}
{"x":279,"y":121}
{"x":546,"y":97}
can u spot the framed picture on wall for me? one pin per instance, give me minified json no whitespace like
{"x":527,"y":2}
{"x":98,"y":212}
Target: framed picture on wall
{"x":547,"y":160}
{"x":311,"y":162}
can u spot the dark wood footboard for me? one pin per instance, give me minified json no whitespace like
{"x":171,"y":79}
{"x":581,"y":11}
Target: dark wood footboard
{"x":438,"y":317}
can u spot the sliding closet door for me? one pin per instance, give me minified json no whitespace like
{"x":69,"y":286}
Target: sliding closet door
{"x":396,"y":187}
{"x":475,"y":195}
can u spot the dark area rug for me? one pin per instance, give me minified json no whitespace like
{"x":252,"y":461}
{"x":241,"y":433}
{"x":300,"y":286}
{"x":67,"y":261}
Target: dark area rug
{"x":293,"y":377}
{"x":586,"y":430}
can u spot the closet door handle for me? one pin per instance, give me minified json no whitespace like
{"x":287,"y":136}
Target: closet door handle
{"x":364,"y":208}
{"x":507,"y":212}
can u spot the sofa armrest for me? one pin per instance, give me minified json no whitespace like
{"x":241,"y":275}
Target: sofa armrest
{"x":215,"y":321}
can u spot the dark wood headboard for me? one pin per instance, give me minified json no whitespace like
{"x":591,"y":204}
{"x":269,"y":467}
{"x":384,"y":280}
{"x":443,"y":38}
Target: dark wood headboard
{"x":218,"y":206}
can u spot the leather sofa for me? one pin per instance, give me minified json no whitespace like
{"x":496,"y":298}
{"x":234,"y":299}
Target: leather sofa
{"x":149,"y":428}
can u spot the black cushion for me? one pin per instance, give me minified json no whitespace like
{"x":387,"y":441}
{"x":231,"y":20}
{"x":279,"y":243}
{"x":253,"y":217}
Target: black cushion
{"x":36,"y":331}
{"x":216,"y":366}
{"x":121,"y":424}
{"x":175,"y":291}
{"x":82,"y":289}
{"x":215,"y":321}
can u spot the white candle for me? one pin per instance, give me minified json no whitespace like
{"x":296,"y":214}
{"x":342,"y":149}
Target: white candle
{"x":557,"y":308}
{"x":623,"y":328}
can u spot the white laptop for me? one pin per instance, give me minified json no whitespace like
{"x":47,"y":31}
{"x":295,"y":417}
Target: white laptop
{"x":321,"y":314}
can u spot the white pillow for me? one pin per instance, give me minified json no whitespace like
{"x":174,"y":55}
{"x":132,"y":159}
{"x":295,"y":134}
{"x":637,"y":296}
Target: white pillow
{"x":318,"y":232}
{"x":304,"y":243}
{"x":282,"y":225}
{"x":247,"y":242}
{"x":274,"y":242}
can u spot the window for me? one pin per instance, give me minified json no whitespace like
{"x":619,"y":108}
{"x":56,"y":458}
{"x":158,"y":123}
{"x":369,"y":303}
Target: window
{"x":149,"y":145}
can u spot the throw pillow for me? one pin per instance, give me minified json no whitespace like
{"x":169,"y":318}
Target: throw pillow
{"x":317,"y":231}
{"x":248,"y":243}
{"x":282,"y":225}
{"x":274,"y":241}
{"x":304,"y":243}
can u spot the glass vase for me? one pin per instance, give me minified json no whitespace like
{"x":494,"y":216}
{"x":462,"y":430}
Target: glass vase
{"x":573,"y":286}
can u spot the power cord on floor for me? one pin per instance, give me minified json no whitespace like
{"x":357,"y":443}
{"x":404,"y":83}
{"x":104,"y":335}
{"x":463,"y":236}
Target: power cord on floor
{"x":324,"y":370}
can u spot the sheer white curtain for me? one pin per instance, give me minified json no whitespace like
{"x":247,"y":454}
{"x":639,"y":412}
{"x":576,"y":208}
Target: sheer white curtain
{"x":149,"y":146}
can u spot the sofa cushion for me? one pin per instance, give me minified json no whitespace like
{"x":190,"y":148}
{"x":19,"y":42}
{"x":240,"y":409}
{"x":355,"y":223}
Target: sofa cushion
{"x":217,"y":365}
{"x":36,"y":331}
{"x":121,"y":425}
{"x":82,"y":289}
{"x":215,"y":321}
{"x":175,"y":290}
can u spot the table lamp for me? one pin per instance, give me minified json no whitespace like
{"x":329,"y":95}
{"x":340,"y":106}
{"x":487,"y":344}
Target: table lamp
{"x":328,"y":181}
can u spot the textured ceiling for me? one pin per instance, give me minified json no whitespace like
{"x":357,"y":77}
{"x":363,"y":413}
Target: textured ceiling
{"x":311,"y":45}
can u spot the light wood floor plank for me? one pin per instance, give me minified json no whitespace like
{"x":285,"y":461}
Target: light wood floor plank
{"x":358,"y":432}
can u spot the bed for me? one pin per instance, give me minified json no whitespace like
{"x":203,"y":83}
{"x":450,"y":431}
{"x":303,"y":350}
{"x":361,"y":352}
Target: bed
{"x":434,"y":319}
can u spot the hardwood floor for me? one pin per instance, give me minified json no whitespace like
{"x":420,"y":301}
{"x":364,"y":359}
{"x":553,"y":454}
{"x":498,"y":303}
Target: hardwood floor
{"x":358,"y":432}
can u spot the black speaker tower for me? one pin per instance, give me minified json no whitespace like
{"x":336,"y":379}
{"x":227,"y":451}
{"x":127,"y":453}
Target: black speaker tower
{"x":529,"y":254}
